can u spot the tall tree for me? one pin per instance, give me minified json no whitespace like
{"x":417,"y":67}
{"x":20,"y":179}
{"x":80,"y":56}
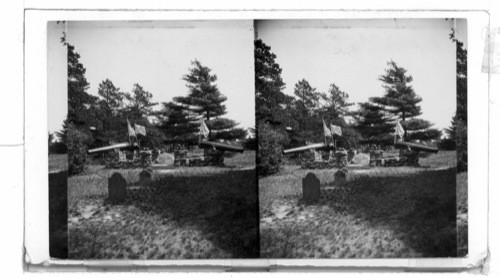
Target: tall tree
{"x":111,"y":99}
{"x":337,"y":103}
{"x":271,"y":114}
{"x":140,"y":103}
{"x":402,"y":102}
{"x":458,"y":129}
{"x":269,"y":86}
{"x":205,"y":98}
{"x":374,"y":125}
{"x":178,"y":124}
{"x":80,"y":103}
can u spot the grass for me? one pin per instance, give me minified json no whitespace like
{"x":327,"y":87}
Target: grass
{"x":188,"y":213}
{"x":382,"y":212}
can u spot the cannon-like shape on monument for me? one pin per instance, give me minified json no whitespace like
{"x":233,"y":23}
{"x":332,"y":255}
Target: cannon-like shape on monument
{"x":337,"y":157}
{"x":119,"y":146}
{"x":415,"y":147}
{"x":408,"y":155}
{"x":220,"y":146}
{"x":213,"y":154}
{"x":117,"y":158}
{"x":318,"y":147}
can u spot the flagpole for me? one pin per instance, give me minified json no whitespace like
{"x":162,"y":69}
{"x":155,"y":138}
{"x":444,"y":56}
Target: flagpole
{"x":128,"y":132}
{"x":323,"y":128}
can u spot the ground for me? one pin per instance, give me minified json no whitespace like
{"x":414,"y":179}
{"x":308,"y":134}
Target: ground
{"x":388,"y":212}
{"x":196,"y":212}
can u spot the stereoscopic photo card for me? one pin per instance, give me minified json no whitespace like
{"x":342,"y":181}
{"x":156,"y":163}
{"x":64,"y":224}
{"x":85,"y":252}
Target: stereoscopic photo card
{"x":283,"y":139}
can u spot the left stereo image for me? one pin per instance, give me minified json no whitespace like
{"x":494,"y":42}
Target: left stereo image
{"x":152,"y":143}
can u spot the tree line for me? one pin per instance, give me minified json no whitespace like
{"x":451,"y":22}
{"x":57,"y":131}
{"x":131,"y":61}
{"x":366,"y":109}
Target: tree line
{"x":285,"y":121}
{"x":100,"y":120}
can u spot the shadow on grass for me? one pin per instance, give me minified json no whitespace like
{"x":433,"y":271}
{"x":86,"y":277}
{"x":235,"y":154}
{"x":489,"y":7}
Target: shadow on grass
{"x":419,"y":208}
{"x":223,"y":206}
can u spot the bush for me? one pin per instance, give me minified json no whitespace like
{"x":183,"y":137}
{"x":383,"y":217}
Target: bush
{"x":461,"y":135}
{"x":447,"y":144}
{"x":77,"y":142}
{"x":270,"y":143}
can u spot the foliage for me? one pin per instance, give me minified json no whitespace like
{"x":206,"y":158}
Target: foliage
{"x":178,"y":124}
{"x":270,"y":144}
{"x":140,"y":104}
{"x":204,"y":99}
{"x":373,"y":125}
{"x":269,"y":86}
{"x":447,"y":144}
{"x":80,"y":103}
{"x":77,"y":142}
{"x":56,"y":146}
{"x":458,"y":129}
{"x":401,"y":101}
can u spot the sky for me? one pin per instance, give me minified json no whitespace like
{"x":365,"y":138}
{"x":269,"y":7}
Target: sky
{"x":155,"y":54}
{"x":353,"y":53}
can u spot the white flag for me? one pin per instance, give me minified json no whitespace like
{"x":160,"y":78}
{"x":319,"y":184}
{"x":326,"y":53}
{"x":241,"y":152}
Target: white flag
{"x":139,"y":129}
{"x":336,"y":130}
{"x":399,"y":130}
{"x":326,"y":130}
{"x":131,"y":131}
{"x":203,"y":128}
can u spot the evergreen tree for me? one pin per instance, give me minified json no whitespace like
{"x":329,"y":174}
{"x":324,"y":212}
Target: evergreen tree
{"x":458,"y":129}
{"x":204,"y":98}
{"x":337,"y":103}
{"x":269,"y":96}
{"x":179,"y":125}
{"x":373,"y":125}
{"x":110,"y":114}
{"x":271,"y":114}
{"x":402,"y":102}
{"x":80,"y":103}
{"x":140,"y":103}
{"x":306,"y":124}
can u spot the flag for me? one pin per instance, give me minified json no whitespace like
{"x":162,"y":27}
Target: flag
{"x":131,"y":131}
{"x":336,"y":130}
{"x":203,"y":128}
{"x":139,"y":129}
{"x":399,"y":130}
{"x":328,"y":133}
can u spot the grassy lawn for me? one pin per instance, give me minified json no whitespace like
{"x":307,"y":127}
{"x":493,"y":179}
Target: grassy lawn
{"x":381,"y":212}
{"x":189,"y":212}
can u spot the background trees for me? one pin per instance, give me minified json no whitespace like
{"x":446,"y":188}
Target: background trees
{"x":458,"y":129}
{"x":374,"y":125}
{"x":401,"y":101}
{"x":204,"y":95}
{"x":271,"y":112}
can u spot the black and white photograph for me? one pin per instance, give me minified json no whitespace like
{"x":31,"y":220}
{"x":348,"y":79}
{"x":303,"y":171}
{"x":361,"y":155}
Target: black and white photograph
{"x":152,"y":141}
{"x":362,"y":138}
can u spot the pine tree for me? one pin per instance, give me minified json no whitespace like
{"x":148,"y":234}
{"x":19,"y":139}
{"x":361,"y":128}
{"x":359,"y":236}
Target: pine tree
{"x":140,"y":103}
{"x":271,"y":114}
{"x":269,"y":96}
{"x":402,"y":102}
{"x":373,"y":125}
{"x":110,"y":114}
{"x":205,"y":98}
{"x":458,"y":129}
{"x":179,"y":125}
{"x":80,"y":103}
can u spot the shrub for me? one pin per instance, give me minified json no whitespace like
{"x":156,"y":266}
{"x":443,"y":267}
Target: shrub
{"x":270,"y":143}
{"x":77,"y":142}
{"x":461,"y":137}
{"x":448,"y":144}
